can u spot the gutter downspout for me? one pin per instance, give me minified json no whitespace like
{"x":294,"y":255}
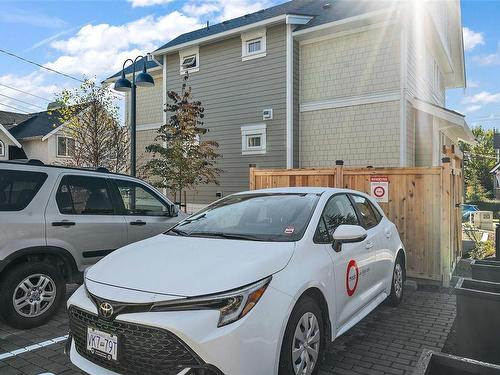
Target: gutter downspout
{"x":289,"y":96}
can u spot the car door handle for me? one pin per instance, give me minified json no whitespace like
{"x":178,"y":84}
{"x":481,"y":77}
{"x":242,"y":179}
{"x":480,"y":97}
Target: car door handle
{"x":388,"y":234}
{"x":63,"y":223}
{"x":138,"y":223}
{"x":369,"y":244}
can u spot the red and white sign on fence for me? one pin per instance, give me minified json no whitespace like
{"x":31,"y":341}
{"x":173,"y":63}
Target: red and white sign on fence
{"x":380,"y":188}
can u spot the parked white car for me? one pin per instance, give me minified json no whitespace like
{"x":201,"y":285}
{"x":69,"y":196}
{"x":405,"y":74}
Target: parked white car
{"x":257,"y":283}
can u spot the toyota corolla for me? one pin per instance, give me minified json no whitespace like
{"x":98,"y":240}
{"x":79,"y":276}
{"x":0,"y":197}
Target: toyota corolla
{"x":255,"y":284}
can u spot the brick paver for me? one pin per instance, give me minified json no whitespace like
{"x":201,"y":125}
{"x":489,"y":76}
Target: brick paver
{"x":388,"y":341}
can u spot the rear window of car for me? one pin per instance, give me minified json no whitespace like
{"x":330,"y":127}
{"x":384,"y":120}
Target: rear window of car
{"x":18,"y":188}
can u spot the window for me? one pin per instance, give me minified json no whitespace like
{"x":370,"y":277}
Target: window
{"x":370,"y":215}
{"x":65,"y":146}
{"x":189,"y":60}
{"x":82,"y":195}
{"x":253,"y":45}
{"x":138,"y":200}
{"x":2,"y":149}
{"x":254,"y":216}
{"x":18,"y":188}
{"x":253,"y":139}
{"x":338,"y":211}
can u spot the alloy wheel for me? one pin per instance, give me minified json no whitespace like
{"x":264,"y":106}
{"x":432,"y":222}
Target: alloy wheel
{"x":34,"y":295}
{"x":306,"y":344}
{"x":398,"y":280}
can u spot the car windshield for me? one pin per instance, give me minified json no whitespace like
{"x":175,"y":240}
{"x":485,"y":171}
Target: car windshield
{"x":257,"y":217}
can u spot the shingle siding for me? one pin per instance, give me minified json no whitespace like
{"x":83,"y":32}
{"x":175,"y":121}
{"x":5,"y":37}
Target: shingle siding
{"x":351,"y":65}
{"x":149,"y":103}
{"x":360,"y":135}
{"x":234,"y":93}
{"x":348,"y":66}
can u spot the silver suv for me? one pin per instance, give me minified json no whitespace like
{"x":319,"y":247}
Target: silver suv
{"x":57,"y":221}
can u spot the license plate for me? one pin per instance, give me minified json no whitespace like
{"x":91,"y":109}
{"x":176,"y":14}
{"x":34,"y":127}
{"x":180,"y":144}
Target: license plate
{"x":102,"y":344}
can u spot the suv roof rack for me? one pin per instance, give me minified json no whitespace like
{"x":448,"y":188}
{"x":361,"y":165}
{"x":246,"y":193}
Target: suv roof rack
{"x":27,"y":161}
{"x":40,"y":163}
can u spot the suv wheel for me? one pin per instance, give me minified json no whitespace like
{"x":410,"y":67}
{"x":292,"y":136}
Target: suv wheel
{"x":31,"y":294}
{"x":304,"y":340}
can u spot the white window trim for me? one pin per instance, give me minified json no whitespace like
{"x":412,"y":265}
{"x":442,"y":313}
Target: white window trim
{"x":57,"y":147}
{"x":246,"y":38}
{"x":256,"y":130}
{"x":195,"y":51}
{"x":2,"y":148}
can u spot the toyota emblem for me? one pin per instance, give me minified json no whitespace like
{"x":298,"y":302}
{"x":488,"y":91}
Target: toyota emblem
{"x":106,"y":310}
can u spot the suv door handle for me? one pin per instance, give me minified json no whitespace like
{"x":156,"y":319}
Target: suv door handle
{"x":138,"y":223}
{"x":63,"y":223}
{"x":388,"y":234}
{"x":369,"y":244}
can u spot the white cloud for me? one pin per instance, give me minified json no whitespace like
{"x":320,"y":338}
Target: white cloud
{"x":491,"y":59}
{"x":472,"y":108}
{"x":31,"y":18}
{"x":472,"y":84}
{"x":472,"y":39}
{"x":482,"y":98}
{"x":101,"y":49}
{"x":147,"y":3}
{"x":224,"y":9}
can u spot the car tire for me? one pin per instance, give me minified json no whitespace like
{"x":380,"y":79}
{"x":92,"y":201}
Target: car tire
{"x":39,"y":289}
{"x":397,"y":283}
{"x":305,"y":316}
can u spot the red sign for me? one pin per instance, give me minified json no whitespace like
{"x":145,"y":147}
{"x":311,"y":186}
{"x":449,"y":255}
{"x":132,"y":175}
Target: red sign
{"x":351,"y":277}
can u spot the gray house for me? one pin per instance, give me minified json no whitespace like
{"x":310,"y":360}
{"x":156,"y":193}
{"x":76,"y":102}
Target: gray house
{"x":36,"y":136}
{"x":308,"y":82}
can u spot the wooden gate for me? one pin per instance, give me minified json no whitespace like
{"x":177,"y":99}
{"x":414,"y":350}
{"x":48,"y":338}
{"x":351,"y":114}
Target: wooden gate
{"x":424,"y":203}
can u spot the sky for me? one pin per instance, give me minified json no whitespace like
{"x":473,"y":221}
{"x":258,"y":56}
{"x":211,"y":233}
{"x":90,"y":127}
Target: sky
{"x":93,"y":38}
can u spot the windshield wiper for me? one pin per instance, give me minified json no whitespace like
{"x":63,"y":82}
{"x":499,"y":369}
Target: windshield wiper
{"x":231,"y":236}
{"x":178,"y":232}
{"x":187,"y":221}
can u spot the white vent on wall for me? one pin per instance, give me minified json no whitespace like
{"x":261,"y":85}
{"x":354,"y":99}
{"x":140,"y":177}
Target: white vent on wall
{"x":267,"y":114}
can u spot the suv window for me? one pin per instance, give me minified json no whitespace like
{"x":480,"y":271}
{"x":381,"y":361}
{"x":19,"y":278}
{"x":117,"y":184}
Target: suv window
{"x":83,"y":195}
{"x":18,"y":188}
{"x":140,"y":201}
{"x":338,"y":211}
{"x":371,"y":216}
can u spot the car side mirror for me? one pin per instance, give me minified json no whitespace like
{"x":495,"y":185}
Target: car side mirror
{"x":174,"y":210}
{"x":348,"y":234}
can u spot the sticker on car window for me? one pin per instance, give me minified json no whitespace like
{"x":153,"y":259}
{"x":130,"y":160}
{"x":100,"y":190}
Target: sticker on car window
{"x":289,"y":230}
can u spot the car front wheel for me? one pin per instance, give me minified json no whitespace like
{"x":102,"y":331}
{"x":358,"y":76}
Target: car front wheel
{"x":304,"y":340}
{"x":397,"y":286}
{"x":31,"y":294}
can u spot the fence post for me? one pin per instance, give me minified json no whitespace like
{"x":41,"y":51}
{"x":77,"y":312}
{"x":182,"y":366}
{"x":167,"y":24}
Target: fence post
{"x":252,"y":176}
{"x":445,"y":230}
{"x":339,"y":173}
{"x":497,"y":242}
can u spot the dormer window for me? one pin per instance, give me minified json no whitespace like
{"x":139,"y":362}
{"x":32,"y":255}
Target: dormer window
{"x":189,"y":60}
{"x":253,"y":45}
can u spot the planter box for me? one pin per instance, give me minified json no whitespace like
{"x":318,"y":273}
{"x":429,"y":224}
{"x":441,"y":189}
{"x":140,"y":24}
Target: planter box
{"x":488,"y":262}
{"x":478,"y":320}
{"x":432,"y":363}
{"x":486,"y":270}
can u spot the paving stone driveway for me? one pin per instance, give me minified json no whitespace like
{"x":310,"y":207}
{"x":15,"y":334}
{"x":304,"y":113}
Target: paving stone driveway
{"x":388,"y":341}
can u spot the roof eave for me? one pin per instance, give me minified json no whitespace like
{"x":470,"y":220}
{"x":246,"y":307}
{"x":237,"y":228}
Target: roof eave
{"x":222,"y":35}
{"x":10,"y":136}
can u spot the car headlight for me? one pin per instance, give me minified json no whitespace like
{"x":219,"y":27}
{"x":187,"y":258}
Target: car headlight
{"x":232,"y":305}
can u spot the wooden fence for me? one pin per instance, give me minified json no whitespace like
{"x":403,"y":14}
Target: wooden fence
{"x":424,"y":203}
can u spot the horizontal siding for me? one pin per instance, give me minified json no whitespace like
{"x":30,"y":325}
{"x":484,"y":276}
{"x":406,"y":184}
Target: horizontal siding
{"x":234,"y":93}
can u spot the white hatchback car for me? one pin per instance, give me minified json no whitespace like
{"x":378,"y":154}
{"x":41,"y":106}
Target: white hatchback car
{"x":257,"y":283}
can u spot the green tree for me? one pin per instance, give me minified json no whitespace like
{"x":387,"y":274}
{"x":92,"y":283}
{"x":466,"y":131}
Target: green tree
{"x":182,"y":157}
{"x":90,"y":118}
{"x":479,"y":159}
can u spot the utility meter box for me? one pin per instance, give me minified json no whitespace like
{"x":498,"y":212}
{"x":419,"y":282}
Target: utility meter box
{"x":482,"y":219}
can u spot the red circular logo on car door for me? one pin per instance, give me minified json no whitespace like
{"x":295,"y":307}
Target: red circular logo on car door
{"x":351,"y":277}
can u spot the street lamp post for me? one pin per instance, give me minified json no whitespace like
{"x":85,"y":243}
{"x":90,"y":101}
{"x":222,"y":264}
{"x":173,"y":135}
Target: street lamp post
{"x":143,"y":79}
